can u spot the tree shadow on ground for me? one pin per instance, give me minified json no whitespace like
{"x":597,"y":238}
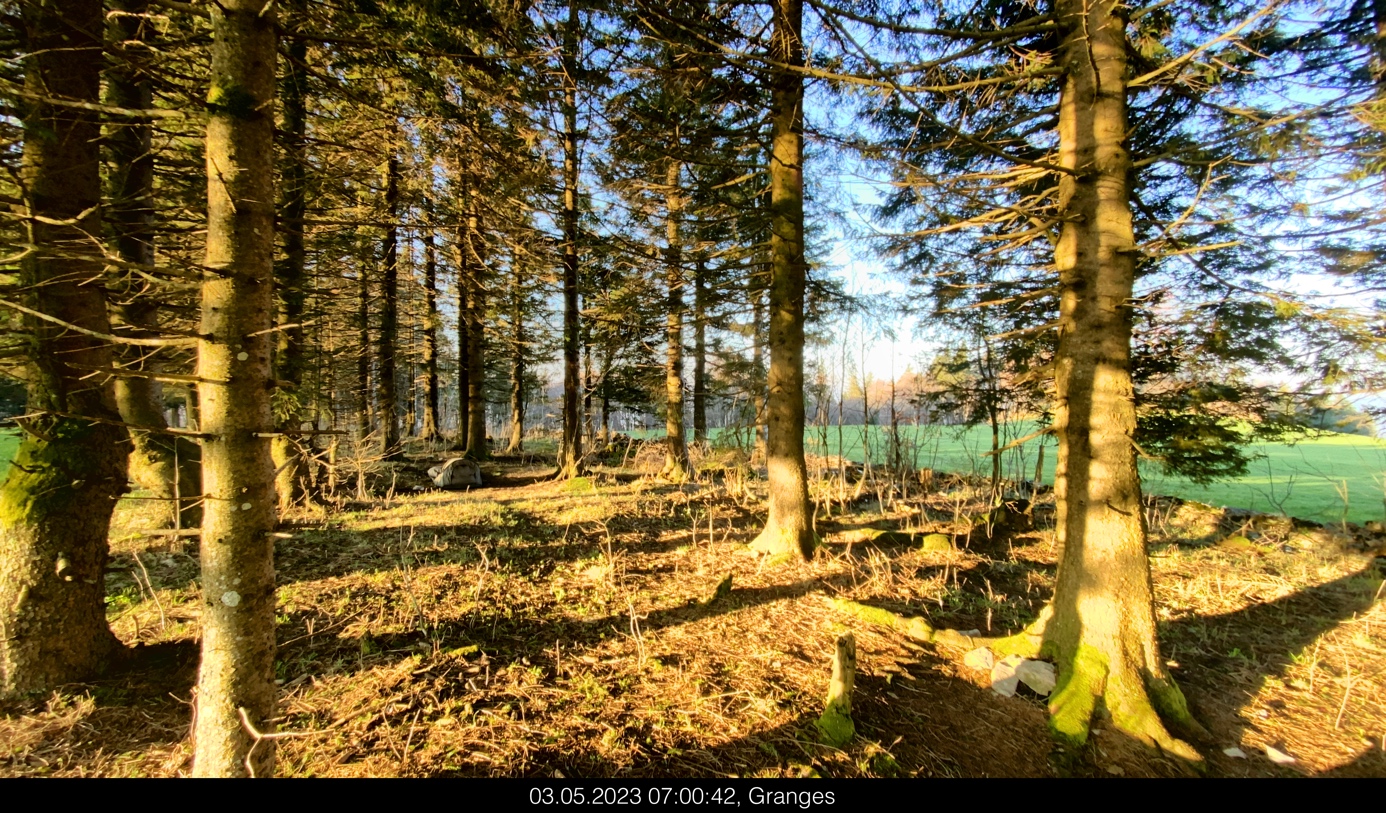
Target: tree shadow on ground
{"x":918,"y":720}
{"x":1236,"y":654}
{"x":140,"y":705}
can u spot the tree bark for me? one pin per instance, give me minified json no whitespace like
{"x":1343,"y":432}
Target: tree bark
{"x":700,"y":350}
{"x":56,"y":502}
{"x":234,"y":362}
{"x":570,"y":454}
{"x":465,"y":280}
{"x":365,"y":415}
{"x":476,"y":378}
{"x":517,"y":361}
{"x":429,"y":431}
{"x":166,"y":466}
{"x":293,"y":478}
{"x":476,"y":341}
{"x":1100,"y":628}
{"x":789,"y":530}
{"x":759,"y":374}
{"x":676,"y":465}
{"x":389,"y":318}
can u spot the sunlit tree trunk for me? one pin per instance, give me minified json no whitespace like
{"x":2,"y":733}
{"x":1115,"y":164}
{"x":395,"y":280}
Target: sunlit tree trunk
{"x":570,"y":454}
{"x":166,"y":466}
{"x":466,"y":276}
{"x":756,"y":291}
{"x":389,"y":317}
{"x":789,"y":530}
{"x":1101,"y":626}
{"x":236,"y":678}
{"x":675,"y":442}
{"x":56,"y":503}
{"x":700,"y":350}
{"x":517,"y":361}
{"x":291,"y":454}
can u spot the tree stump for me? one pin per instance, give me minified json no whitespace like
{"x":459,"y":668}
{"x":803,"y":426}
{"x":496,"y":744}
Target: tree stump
{"x":835,"y":726}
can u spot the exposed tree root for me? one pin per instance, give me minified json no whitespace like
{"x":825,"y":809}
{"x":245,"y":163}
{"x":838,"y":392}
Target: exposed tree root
{"x":789,"y":542}
{"x":1087,"y":684}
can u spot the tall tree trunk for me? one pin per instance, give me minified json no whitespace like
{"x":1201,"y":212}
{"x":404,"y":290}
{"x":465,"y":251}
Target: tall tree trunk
{"x":517,"y":361}
{"x":676,"y":465}
{"x":570,"y":455}
{"x":990,"y":392}
{"x":293,"y":479}
{"x":429,"y":431}
{"x":700,"y":350}
{"x":56,"y":503}
{"x":165,"y":465}
{"x":759,"y":374}
{"x":234,"y":364}
{"x":789,"y":530}
{"x":476,"y":341}
{"x":365,"y":415}
{"x":465,"y":280}
{"x":589,"y":387}
{"x":389,"y":317}
{"x":1101,"y":626}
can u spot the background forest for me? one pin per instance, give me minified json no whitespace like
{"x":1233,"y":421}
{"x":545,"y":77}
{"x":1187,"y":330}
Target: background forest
{"x":847,"y":331}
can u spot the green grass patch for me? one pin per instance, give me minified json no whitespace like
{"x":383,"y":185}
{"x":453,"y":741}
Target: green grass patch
{"x":9,"y":444}
{"x":1330,"y":478}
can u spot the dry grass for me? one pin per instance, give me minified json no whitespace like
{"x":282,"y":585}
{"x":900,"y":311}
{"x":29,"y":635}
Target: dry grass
{"x":531,"y":627}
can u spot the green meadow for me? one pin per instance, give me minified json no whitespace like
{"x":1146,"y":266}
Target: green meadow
{"x":1331,"y":478}
{"x":9,"y":444}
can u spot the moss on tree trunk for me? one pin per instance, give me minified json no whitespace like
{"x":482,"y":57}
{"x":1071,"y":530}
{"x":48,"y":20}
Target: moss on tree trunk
{"x":56,"y":502}
{"x":789,"y":530}
{"x":1100,"y":627}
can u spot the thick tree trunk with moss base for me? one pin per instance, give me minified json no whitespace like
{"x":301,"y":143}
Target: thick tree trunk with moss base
{"x":676,"y":467}
{"x":1100,"y":628}
{"x":56,"y":502}
{"x":789,"y":530}
{"x":236,"y":677}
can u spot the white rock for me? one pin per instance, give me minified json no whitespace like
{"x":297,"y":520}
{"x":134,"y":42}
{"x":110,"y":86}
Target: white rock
{"x":1234,"y":752}
{"x":1038,"y":675}
{"x":979,"y":658}
{"x":1004,"y":679}
{"x":1278,"y":757}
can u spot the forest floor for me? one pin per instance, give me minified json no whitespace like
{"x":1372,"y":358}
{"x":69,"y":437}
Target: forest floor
{"x":538,"y":628}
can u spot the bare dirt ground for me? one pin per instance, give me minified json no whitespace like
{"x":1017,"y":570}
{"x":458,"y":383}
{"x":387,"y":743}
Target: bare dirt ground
{"x":534,"y":628}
